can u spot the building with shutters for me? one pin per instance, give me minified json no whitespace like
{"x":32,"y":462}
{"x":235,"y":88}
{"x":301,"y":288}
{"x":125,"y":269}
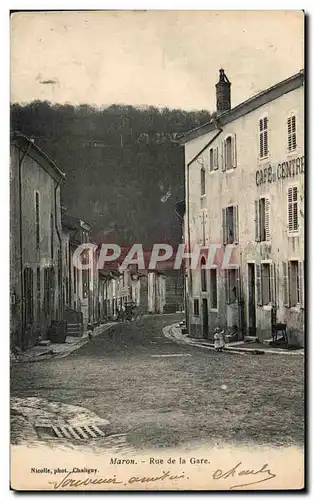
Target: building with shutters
{"x":244,"y":175}
{"x":36,"y":275}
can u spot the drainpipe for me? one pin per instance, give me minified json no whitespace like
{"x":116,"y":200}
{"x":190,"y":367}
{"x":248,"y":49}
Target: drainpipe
{"x":188,"y":211}
{"x":21,"y":339}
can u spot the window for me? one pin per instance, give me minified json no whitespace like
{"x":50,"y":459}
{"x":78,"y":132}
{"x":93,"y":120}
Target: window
{"x":203,"y":275}
{"x":213,"y":159}
{"x":263,"y":137}
{"x":37,"y":222}
{"x":196,"y":307}
{"x":229,"y":153}
{"x":38,"y":293}
{"x":292,"y":136}
{"x":231,"y":278}
{"x":230,"y":224}
{"x":262,"y":216}
{"x":213,"y":289}
{"x":203,"y":182}
{"x":293,"y":283}
{"x":265,"y":283}
{"x":293,"y":221}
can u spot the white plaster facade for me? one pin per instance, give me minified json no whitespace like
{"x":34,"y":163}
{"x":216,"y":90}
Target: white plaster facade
{"x":250,"y":178}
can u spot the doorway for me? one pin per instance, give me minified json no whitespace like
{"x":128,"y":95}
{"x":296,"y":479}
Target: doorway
{"x":205,"y":319}
{"x":251,"y":299}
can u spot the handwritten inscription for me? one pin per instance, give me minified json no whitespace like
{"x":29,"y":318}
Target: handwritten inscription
{"x":238,"y":476}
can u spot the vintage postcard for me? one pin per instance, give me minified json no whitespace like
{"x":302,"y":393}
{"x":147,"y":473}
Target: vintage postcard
{"x":157,"y":290}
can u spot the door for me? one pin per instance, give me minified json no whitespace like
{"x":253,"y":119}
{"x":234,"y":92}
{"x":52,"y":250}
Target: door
{"x":205,"y":319}
{"x":252,"y":300}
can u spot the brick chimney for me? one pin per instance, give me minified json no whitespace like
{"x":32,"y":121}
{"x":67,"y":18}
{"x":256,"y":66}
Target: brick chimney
{"x":223,"y":97}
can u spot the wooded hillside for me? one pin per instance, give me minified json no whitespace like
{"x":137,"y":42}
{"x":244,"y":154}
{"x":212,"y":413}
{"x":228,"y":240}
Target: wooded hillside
{"x":123,"y":168}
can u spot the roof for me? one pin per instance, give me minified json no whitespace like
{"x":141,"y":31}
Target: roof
{"x":258,"y":100}
{"x":20,"y":139}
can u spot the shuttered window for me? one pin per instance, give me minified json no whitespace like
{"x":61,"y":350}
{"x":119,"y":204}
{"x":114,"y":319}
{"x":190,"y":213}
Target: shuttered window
{"x":196,"y":307}
{"x":230,"y":225}
{"x":203,"y":182}
{"x":263,"y":137}
{"x":229,"y":153}
{"x":292,"y":135}
{"x":285,"y":284}
{"x":293,"y":218}
{"x":203,"y":275}
{"x":231,"y":282}
{"x":213,"y":159}
{"x":293,"y":283}
{"x":262,"y":219}
{"x":265,"y":284}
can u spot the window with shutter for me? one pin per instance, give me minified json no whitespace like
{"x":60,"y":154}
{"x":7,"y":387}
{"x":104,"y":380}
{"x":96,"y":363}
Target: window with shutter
{"x":273,"y":288}
{"x":223,"y":159}
{"x":292,"y":136}
{"x":257,"y":221}
{"x":203,"y":182}
{"x":216,"y":165}
{"x":235,"y":224}
{"x":229,"y":152}
{"x":203,"y":275}
{"x":211,"y":159}
{"x":258,"y":284}
{"x":294,"y":286}
{"x":231,"y":280}
{"x":266,"y":283}
{"x":234,"y":155}
{"x":267,"y":219}
{"x":224,"y":226}
{"x":293,"y":219}
{"x":263,"y":137}
{"x":285,"y":284}
{"x":301,"y":283}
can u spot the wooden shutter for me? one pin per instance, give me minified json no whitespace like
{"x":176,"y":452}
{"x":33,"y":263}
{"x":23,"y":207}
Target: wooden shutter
{"x":224,"y":226}
{"x":257,"y":221}
{"x":216,"y":165}
{"x":301,"y":283}
{"x":285,"y":284}
{"x":234,"y":151}
{"x":273,"y":290}
{"x":223,"y":156}
{"x":235,"y":224}
{"x":258,"y":284}
{"x":293,"y":223}
{"x":227,"y":286}
{"x":267,"y":218}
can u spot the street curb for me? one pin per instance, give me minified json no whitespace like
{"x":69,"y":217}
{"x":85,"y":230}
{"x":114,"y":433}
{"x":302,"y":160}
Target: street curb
{"x":68,"y":348}
{"x":174,"y":333}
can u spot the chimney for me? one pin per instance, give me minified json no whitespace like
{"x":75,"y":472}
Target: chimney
{"x":223,"y":97}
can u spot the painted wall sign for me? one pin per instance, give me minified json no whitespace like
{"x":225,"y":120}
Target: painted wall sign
{"x":282,"y":171}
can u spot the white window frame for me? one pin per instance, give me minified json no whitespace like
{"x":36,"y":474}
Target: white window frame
{"x":265,"y":154}
{"x":293,"y":232}
{"x":235,"y":225}
{"x":291,"y":150}
{"x":259,"y":284}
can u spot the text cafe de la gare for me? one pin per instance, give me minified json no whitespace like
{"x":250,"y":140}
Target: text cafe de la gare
{"x":284,"y":170}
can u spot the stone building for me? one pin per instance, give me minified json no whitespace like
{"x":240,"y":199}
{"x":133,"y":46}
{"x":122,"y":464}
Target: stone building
{"x":244,"y":174}
{"x":35,"y":242}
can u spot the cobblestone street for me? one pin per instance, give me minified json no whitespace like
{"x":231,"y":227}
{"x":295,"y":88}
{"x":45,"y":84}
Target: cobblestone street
{"x":144,"y":390}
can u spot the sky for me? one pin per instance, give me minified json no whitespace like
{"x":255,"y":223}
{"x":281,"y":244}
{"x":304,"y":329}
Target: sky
{"x":161,"y":58}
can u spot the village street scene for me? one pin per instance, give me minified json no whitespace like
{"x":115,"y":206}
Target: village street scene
{"x":157,"y":278}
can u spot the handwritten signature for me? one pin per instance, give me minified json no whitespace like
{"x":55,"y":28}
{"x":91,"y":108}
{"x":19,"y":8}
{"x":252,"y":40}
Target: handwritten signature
{"x":261,"y":474}
{"x":69,"y":481}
